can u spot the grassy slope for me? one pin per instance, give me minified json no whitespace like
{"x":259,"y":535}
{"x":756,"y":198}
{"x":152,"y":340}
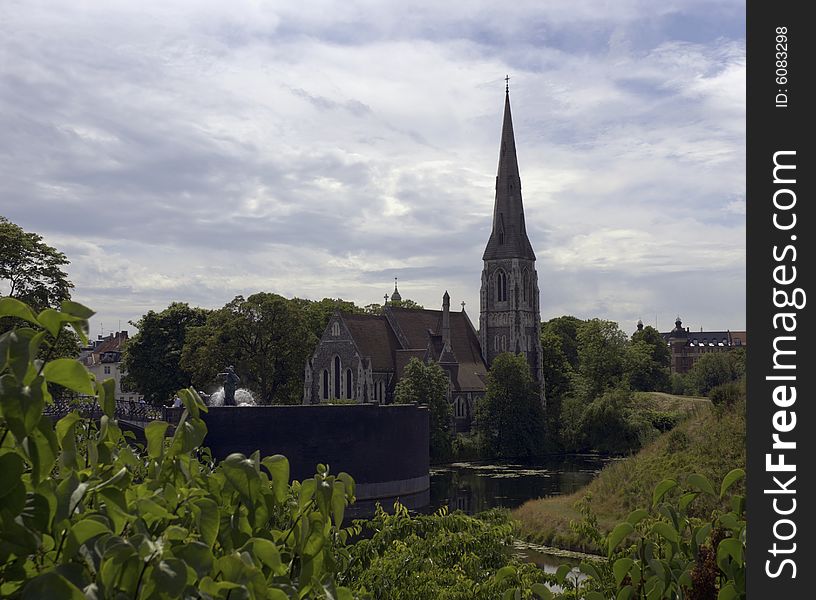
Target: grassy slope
{"x":704,"y":443}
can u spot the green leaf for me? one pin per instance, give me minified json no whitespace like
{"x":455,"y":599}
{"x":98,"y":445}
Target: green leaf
{"x":701,"y":483}
{"x":504,"y":573}
{"x":154,"y":433}
{"x":197,"y":555}
{"x":687,"y":499}
{"x":66,"y":438}
{"x":241,"y":474}
{"x":268,"y":554}
{"x":53,"y":320}
{"x":665,"y":530}
{"x":75,"y":309}
{"x":562,"y":572}
{"x":621,"y":569}
{"x":625,"y":593}
{"x":206,"y":519}
{"x":11,"y":469}
{"x":81,"y":532}
{"x":636,"y":516}
{"x":661,"y":489}
{"x":594,"y":596}
{"x":278,"y":467}
{"x":542,"y":591}
{"x":727,"y":592}
{"x":729,"y":547}
{"x":11,"y":307}
{"x":170,"y":576}
{"x":107,"y":396}
{"x":620,"y":531}
{"x":730,"y":479}
{"x":69,"y":373}
{"x":338,"y":503}
{"x":589,"y":569}
{"x":53,"y":586}
{"x":307,"y":490}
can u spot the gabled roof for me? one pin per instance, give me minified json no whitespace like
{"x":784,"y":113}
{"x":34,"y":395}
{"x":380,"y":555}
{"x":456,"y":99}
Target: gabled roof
{"x":374,"y":339}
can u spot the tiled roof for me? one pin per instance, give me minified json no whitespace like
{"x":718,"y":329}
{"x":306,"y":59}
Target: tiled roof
{"x":374,"y":339}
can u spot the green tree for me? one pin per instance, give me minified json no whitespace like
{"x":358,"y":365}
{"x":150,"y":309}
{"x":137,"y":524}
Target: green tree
{"x":30,"y":269}
{"x":317,"y":313}
{"x":265,"y":337}
{"x":428,"y":384}
{"x":647,"y":361}
{"x":152,"y":357}
{"x":715,"y":368}
{"x":565,"y":328}
{"x":377,"y":309}
{"x":601,"y":350}
{"x":510,"y":417}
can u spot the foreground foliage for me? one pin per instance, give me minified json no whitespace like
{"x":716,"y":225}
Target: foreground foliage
{"x":83,"y":514}
{"x":667,"y":552}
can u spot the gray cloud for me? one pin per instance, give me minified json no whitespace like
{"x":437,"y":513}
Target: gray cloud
{"x":194,"y":151}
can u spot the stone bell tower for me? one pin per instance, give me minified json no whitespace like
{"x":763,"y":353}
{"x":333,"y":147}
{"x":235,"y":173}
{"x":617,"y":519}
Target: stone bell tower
{"x":509,"y":319}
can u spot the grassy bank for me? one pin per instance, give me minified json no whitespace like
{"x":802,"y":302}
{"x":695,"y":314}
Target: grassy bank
{"x":710,"y":441}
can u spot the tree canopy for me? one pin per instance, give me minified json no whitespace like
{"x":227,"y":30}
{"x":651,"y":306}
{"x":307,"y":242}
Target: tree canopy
{"x":265,"y":337}
{"x":31,"y":270}
{"x":152,"y":357}
{"x":510,"y":417}
{"x":428,"y":384}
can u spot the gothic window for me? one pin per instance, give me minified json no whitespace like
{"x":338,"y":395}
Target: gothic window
{"x":325,"y":384}
{"x":504,"y":343}
{"x":525,"y":285}
{"x":335,"y":329}
{"x":348,"y":383}
{"x":496,"y":343}
{"x":501,"y":286}
{"x":336,"y":376}
{"x":501,"y":229}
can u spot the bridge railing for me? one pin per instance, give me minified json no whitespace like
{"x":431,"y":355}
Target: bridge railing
{"x":126,"y":410}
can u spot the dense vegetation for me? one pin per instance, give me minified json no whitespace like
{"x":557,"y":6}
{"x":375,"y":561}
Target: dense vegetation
{"x":596,"y":375}
{"x":710,"y":441}
{"x":85,"y":513}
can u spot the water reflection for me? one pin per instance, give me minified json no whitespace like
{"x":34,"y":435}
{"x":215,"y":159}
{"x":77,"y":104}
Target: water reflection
{"x":473,"y":487}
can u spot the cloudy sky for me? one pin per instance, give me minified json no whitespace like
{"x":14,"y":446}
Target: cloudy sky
{"x":197,"y":150}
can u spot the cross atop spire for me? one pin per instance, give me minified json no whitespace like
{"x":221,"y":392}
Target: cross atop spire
{"x":507,"y":84}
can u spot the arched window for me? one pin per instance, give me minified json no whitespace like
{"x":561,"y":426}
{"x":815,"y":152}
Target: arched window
{"x":335,"y":329}
{"x":501,"y":229}
{"x":504,"y":343}
{"x":496,"y":343}
{"x":501,"y":286}
{"x":325,"y":384}
{"x":336,"y":376}
{"x":525,"y":285}
{"x":348,"y":383}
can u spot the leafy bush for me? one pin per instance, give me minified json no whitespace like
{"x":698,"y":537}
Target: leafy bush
{"x":84,"y":514}
{"x":727,"y":394}
{"x":441,"y":556}
{"x":664,"y":552}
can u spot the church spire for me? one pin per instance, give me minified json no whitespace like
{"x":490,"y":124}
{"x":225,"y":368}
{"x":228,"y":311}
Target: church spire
{"x":508,"y":239}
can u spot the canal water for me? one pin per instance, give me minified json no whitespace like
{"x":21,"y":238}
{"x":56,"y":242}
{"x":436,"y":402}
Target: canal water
{"x":477,"y":486}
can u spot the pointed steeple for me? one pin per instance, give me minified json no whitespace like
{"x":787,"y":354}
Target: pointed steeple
{"x":508,"y":239}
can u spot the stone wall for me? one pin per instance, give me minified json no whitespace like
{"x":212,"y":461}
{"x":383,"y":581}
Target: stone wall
{"x":384,"y":448}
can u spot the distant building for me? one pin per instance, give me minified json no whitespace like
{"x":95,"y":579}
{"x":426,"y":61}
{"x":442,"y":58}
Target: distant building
{"x":103,"y":358}
{"x":687,"y":346}
{"x":361,"y":358}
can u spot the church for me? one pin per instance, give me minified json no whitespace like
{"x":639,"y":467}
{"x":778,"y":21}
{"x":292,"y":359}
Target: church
{"x":360,"y":358}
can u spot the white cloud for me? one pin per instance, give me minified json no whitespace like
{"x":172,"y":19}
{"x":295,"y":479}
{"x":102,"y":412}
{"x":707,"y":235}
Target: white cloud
{"x":197,"y":150}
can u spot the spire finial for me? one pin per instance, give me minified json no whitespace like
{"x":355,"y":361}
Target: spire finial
{"x":507,"y":84}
